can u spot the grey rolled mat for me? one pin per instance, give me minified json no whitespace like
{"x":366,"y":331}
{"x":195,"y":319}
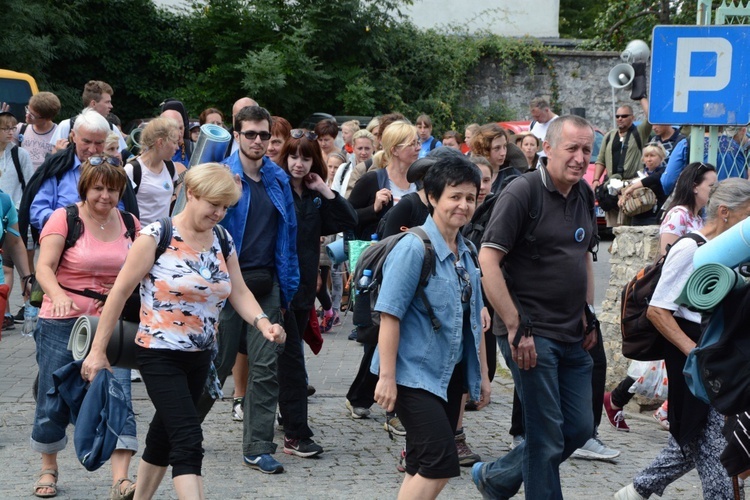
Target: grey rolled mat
{"x":121,"y":347}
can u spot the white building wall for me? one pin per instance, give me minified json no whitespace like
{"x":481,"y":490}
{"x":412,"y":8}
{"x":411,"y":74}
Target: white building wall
{"x":535,"y":18}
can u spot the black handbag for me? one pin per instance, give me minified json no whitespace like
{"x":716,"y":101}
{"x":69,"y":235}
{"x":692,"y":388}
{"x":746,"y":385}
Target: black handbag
{"x":607,"y":202}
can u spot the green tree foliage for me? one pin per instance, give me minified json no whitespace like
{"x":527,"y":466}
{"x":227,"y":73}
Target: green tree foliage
{"x":626,"y":20}
{"x":577,"y":18}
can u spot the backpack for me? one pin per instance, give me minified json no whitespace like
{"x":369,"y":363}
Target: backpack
{"x":717,"y":371}
{"x":138,"y":172}
{"x":640,"y":338}
{"x":5,"y":206}
{"x":365,"y":318}
{"x":433,"y":143}
{"x":17,"y":164}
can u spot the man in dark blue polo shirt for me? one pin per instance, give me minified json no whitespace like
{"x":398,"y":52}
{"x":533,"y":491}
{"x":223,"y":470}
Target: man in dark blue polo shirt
{"x":550,"y":364}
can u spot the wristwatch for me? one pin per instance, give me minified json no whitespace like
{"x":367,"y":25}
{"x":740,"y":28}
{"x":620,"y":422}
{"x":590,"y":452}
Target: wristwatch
{"x":258,"y":318}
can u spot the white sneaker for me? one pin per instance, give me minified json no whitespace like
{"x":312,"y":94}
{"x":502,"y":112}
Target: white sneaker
{"x":135,"y":376}
{"x":594,"y":449}
{"x":238,"y":414}
{"x":628,"y":493}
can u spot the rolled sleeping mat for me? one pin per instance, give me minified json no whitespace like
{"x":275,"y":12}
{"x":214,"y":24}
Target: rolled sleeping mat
{"x":211,"y":145}
{"x":336,"y":251}
{"x":121,"y":347}
{"x":708,"y":286}
{"x":731,"y":248}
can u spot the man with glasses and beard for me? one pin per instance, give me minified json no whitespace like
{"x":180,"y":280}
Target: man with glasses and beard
{"x":621,"y":153}
{"x":263,"y":225}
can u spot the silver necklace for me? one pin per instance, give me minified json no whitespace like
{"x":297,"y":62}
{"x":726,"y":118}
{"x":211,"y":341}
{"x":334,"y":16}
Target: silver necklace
{"x":101,"y":225}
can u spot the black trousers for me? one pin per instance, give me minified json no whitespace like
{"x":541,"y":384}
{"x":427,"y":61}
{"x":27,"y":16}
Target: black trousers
{"x":292,"y":377}
{"x":174,"y":381}
{"x":362,"y":391}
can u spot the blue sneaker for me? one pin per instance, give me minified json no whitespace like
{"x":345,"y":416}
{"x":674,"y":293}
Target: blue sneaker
{"x":264,"y":463}
{"x":476,"y":477}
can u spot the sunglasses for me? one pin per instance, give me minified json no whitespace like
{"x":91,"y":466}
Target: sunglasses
{"x":702,"y":169}
{"x":463,"y":275}
{"x":250,"y":135}
{"x":622,"y":116}
{"x":98,"y":160}
{"x":299,"y":133}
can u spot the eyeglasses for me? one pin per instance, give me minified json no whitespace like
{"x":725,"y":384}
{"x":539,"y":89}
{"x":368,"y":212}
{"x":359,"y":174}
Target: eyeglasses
{"x":413,"y":144}
{"x":31,"y":115}
{"x":250,"y":135}
{"x":98,"y":160}
{"x":7,"y":129}
{"x":298,"y":133}
{"x":463,"y":275}
{"x":622,"y":116}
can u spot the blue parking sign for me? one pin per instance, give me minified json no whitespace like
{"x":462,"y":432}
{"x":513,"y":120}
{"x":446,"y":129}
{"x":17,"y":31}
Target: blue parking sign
{"x":700,"y":75}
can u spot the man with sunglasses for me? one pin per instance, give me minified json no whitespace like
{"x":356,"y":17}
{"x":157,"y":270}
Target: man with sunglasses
{"x":621,"y":153}
{"x":55,"y":182}
{"x":263,"y":225}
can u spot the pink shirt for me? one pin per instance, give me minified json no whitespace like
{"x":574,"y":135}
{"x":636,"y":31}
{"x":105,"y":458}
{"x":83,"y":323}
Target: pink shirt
{"x":90,"y":263}
{"x":680,"y":221}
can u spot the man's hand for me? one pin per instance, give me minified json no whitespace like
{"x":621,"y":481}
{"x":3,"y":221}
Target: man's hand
{"x":589,"y":340}
{"x":525,"y":354}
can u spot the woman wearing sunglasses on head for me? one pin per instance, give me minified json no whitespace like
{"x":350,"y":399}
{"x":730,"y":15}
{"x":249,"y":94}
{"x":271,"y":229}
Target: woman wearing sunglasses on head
{"x":320,"y":212}
{"x":64,"y":274}
{"x":422,"y":370}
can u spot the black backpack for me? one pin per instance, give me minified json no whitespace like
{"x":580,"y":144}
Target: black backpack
{"x":640,"y":338}
{"x":138,"y":172}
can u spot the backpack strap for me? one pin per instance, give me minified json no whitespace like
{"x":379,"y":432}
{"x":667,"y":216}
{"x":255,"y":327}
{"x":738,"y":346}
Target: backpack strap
{"x":536,"y":203}
{"x":75,"y":226}
{"x":170,"y":168}
{"x":5,"y":204}
{"x":165,"y":238}
{"x":428,"y":268}
{"x":21,"y":131}
{"x":368,"y":164}
{"x":433,"y":143}
{"x":221,"y":234}
{"x":129,"y":221}
{"x":137,"y":173}
{"x":17,"y":164}
{"x":382,"y":175}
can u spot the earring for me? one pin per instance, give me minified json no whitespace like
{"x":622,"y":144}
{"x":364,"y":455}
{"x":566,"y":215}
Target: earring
{"x":725,"y":220}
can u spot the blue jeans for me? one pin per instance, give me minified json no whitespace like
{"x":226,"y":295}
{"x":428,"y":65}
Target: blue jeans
{"x":51,"y":337}
{"x":556,"y":400}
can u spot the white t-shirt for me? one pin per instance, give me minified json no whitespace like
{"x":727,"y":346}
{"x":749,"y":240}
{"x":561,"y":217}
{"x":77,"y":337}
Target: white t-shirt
{"x":37,"y":145}
{"x":674,"y":274}
{"x":540,"y":131}
{"x":9,"y":182}
{"x":399,"y":193}
{"x":63,"y":132}
{"x":154,"y":193}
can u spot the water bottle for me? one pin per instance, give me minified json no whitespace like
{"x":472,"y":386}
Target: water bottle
{"x":374,"y":237}
{"x":30,"y":315}
{"x":363,"y":285}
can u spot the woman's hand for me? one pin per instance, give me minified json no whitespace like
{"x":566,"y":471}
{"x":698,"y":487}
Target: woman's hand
{"x":627,"y":192}
{"x":486,"y":319}
{"x":485,"y":392}
{"x":62,"y":305}
{"x":275,"y":333}
{"x":382,"y":198}
{"x":315,"y":183}
{"x":94,"y":362}
{"x":385,"y":393}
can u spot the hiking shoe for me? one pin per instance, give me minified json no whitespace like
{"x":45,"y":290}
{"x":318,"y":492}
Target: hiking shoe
{"x":353,"y":335}
{"x":328,"y":321}
{"x":238,"y":414}
{"x":8,"y":322}
{"x":310,"y":390}
{"x":401,"y":465}
{"x":661,"y":416}
{"x":614,"y":415}
{"x":594,"y":449}
{"x":135,"y":376}
{"x":517,"y":440}
{"x":304,"y":448}
{"x":357,"y":411}
{"x":264,"y":463}
{"x":18,"y":318}
{"x":628,"y":493}
{"x":393,"y":425}
{"x":466,"y":457}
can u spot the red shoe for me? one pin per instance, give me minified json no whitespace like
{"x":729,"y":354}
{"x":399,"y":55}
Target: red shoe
{"x":615,"y":416}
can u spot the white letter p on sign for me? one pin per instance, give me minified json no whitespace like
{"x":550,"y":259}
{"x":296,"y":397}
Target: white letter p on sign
{"x":684,"y":83}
